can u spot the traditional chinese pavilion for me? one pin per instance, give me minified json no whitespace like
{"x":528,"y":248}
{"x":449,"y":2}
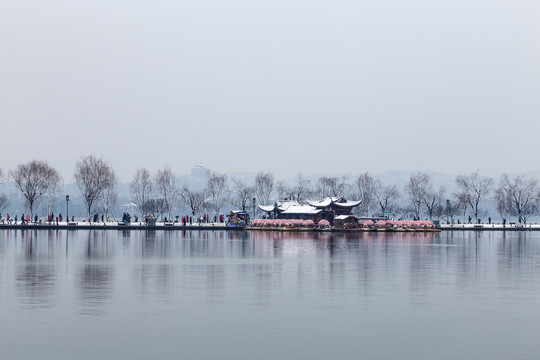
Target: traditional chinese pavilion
{"x":326,"y":209}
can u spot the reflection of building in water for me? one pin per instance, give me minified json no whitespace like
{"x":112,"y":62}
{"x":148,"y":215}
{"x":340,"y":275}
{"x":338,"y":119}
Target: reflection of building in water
{"x":326,"y":209}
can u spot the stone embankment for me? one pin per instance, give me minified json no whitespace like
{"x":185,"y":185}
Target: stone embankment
{"x":116,"y":226}
{"x":491,"y":227}
{"x":221,"y":226}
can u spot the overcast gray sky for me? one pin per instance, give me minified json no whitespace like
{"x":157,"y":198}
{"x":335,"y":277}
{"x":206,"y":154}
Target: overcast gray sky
{"x":286,"y":86}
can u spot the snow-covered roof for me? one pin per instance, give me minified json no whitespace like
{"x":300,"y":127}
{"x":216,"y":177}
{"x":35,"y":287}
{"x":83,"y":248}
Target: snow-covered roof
{"x":322,"y":203}
{"x":313,"y":207}
{"x":279,"y":205}
{"x":337,"y":201}
{"x":284,"y":205}
{"x":267,"y":208}
{"x":343,"y":217}
{"x":302,"y":209}
{"x":348,"y":204}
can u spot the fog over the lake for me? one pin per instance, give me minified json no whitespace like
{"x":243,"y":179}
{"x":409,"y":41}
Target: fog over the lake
{"x":286,"y":86}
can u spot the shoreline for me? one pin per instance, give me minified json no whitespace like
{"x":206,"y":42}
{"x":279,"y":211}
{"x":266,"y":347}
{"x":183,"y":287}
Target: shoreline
{"x":212,"y":227}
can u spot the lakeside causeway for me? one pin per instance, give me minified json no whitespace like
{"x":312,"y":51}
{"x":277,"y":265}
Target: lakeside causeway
{"x":219,"y":226}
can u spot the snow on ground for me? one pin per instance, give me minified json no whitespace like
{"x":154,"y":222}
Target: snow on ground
{"x":490,"y":226}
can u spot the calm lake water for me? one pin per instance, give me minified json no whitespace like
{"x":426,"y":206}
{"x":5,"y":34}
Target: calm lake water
{"x":269,"y":295}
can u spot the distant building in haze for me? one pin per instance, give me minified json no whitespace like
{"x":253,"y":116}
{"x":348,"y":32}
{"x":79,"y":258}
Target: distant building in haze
{"x":200,"y":171}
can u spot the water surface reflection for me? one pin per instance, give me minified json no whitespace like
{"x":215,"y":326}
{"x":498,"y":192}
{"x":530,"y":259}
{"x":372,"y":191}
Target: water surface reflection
{"x":314,"y":294}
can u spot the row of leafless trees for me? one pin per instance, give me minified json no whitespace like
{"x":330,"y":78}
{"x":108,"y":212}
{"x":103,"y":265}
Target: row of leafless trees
{"x":421,"y":198}
{"x":155,"y":194}
{"x":517,"y":196}
{"x":211,"y":199}
{"x":160,"y":193}
{"x":37,"y":181}
{"x":39,"y":184}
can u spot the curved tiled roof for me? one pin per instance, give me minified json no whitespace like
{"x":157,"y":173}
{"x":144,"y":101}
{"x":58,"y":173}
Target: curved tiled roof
{"x":337,"y":201}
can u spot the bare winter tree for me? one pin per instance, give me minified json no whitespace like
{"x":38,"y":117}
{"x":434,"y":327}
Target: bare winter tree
{"x":206,"y":206}
{"x":333,"y":186}
{"x":473,"y":189}
{"x":403,"y":212}
{"x":451,"y":209}
{"x":365,"y":185}
{"x":216,"y":188}
{"x":438,"y":210}
{"x":386,"y":196}
{"x":34,"y":180}
{"x":300,"y":191}
{"x":519,"y":195}
{"x":463,"y":204}
{"x":433,"y":200}
{"x":166,"y":188}
{"x":141,"y":189}
{"x":155,"y":207}
{"x":109,"y":197}
{"x":4,"y":200}
{"x":54,"y":181}
{"x":285,"y":192}
{"x":93,"y":176}
{"x":193,"y":199}
{"x":242,"y":194}
{"x":504,"y":205}
{"x":302,"y":188}
{"x":416,"y":188}
{"x":264,"y":184}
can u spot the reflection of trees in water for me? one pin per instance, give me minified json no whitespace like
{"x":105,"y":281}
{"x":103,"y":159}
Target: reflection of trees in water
{"x":156,"y":244}
{"x":95,"y":279}
{"x":262,"y":276}
{"x":266,"y":266}
{"x":518,"y":254}
{"x":36,"y":276}
{"x":35,"y":245}
{"x":99,"y":245}
{"x":421,"y":257}
{"x":36,"y":282}
{"x":4,"y":240}
{"x":152,"y":278}
{"x":467,"y":258}
{"x":216,"y":244}
{"x":95,"y":282}
{"x":215,"y":282}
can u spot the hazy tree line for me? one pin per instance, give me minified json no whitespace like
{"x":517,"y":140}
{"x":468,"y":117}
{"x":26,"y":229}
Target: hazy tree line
{"x":160,"y":194}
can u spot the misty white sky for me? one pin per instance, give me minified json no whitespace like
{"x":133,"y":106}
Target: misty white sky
{"x":287,"y":86}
